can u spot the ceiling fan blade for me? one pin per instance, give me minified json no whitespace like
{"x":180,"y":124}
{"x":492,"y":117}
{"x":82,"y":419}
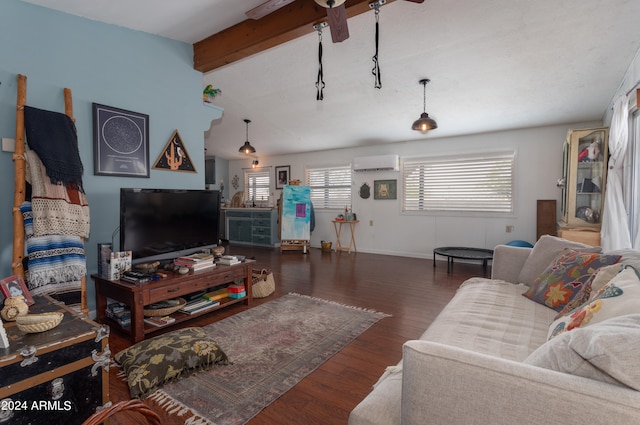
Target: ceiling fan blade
{"x":337,"y":18}
{"x":266,"y":8}
{"x":416,"y":1}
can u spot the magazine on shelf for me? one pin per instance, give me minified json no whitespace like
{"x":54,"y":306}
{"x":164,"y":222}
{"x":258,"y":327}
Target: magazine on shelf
{"x":159,"y":321}
{"x":207,"y":305}
{"x":198,"y":304}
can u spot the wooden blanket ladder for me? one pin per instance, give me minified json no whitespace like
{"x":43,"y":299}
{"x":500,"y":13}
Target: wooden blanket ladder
{"x":20,"y":184}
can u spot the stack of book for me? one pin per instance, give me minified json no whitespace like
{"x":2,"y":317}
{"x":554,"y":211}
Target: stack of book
{"x":229,"y":260}
{"x":159,"y":321}
{"x":197,"y":305}
{"x":120,"y":313}
{"x":236,"y":291}
{"x":217,"y":295}
{"x":196,"y":262}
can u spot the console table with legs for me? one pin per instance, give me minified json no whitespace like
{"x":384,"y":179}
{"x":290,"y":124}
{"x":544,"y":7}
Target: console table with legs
{"x":136,"y":296}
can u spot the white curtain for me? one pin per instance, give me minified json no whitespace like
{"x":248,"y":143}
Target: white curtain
{"x":615,"y":228}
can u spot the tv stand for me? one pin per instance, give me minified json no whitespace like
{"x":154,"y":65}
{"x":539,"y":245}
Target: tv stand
{"x":173,"y":286}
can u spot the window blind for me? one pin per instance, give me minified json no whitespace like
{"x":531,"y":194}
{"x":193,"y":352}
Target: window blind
{"x":256,"y":185}
{"x":464,"y":183}
{"x":330,"y":187}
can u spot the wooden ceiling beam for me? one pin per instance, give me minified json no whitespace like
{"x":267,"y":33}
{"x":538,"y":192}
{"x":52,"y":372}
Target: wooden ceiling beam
{"x":253,"y":36}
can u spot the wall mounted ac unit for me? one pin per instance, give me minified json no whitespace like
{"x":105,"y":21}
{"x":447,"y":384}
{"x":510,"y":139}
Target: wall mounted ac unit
{"x":377,"y":163}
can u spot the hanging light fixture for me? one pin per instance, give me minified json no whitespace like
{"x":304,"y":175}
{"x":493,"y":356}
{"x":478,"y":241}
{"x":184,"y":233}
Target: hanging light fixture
{"x":247,"y":148}
{"x":424,"y":123}
{"x":329,"y":3}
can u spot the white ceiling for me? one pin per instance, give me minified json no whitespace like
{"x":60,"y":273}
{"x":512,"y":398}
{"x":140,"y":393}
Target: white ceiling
{"x":493,"y":64}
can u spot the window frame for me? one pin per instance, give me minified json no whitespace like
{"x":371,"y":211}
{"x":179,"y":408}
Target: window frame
{"x":263,"y":189}
{"x":342,"y":187}
{"x":508,"y":156}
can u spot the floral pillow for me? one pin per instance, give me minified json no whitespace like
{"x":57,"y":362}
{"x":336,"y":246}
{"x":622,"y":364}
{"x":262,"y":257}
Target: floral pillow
{"x":544,"y":251}
{"x":621,"y":296}
{"x":597,"y":280}
{"x":150,"y":364}
{"x":565,"y":276}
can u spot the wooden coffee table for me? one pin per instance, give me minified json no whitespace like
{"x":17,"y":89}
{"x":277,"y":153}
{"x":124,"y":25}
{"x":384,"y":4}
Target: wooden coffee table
{"x":464,"y":253}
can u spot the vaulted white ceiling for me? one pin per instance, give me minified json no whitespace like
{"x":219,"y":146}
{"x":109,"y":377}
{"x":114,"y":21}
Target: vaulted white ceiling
{"x":494,"y":65}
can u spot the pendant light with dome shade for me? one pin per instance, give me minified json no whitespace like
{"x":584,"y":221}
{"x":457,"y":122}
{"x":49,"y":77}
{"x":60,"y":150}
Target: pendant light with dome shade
{"x":247,"y":148}
{"x":424,"y":123}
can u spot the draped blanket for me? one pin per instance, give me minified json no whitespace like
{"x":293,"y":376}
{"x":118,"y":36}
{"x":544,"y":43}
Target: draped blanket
{"x":56,"y":263}
{"x":57,"y":209}
{"x":53,"y":136}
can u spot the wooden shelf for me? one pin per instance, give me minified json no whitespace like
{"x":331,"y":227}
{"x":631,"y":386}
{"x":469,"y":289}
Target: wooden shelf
{"x":173,"y":286}
{"x":183,"y":317}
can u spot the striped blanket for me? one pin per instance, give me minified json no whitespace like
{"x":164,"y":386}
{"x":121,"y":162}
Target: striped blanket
{"x":56,"y":263}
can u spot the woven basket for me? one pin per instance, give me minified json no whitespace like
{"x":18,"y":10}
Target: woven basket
{"x":263,"y":284}
{"x":156,"y":312}
{"x":34,"y":323}
{"x":134,"y":405}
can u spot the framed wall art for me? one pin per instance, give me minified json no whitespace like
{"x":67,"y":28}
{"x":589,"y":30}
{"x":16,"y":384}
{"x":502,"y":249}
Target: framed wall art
{"x":13,"y":286}
{"x":385,"y":189}
{"x":121,"y":142}
{"x":282,"y":175}
{"x":174,"y":156}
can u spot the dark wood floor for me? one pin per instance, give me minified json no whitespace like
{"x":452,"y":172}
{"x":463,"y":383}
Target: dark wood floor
{"x":409,"y":289}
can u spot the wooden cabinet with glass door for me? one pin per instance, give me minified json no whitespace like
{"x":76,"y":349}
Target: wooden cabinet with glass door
{"x":584,"y":176}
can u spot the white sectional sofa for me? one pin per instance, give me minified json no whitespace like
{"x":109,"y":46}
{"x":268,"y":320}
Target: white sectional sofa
{"x":473,"y":365}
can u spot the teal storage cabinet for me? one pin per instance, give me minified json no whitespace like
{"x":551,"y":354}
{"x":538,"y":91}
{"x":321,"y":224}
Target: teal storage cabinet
{"x":253,"y":226}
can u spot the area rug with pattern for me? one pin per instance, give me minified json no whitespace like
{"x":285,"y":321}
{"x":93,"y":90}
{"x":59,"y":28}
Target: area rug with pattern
{"x":272,"y":347}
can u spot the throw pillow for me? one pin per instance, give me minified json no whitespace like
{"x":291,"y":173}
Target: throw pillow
{"x":619,"y":297}
{"x":150,"y":364}
{"x":565,"y":276}
{"x":544,"y":251}
{"x":604,"y":276}
{"x":601,"y":277}
{"x":608,"y":351}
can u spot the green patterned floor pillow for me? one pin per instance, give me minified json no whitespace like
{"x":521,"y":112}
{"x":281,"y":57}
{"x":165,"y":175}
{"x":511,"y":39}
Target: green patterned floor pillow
{"x":150,"y":364}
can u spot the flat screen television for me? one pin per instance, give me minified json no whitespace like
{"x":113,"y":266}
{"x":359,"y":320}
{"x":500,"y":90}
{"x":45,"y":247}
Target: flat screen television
{"x":162,"y":224}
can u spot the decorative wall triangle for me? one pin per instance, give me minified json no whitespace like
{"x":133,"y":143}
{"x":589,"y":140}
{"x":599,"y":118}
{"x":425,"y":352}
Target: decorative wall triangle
{"x":174,"y":156}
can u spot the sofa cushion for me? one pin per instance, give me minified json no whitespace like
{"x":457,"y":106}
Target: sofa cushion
{"x":619,"y":297}
{"x":630,"y":257}
{"x":565,"y":276}
{"x":383,"y":404}
{"x":608,"y":351}
{"x":544,"y":251}
{"x":492,"y":317}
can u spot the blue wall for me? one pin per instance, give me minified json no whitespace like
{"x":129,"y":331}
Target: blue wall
{"x":109,"y":65}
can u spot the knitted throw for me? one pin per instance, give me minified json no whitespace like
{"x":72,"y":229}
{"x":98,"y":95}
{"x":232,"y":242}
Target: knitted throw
{"x":56,"y":263}
{"x":53,"y":136}
{"x":57,"y":210}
